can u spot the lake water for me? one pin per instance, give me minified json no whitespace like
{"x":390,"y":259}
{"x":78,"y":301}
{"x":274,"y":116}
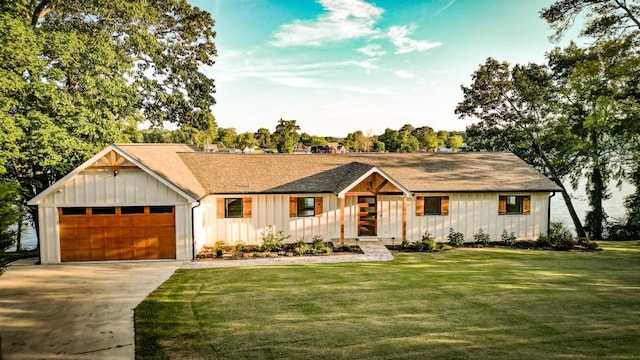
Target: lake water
{"x":614,"y":208}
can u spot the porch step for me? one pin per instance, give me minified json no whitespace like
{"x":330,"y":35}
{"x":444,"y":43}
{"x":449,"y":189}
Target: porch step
{"x":380,"y":252}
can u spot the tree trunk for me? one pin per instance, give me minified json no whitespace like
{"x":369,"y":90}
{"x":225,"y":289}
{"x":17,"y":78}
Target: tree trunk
{"x":565,"y":194}
{"x":19,"y":233}
{"x":572,"y":211}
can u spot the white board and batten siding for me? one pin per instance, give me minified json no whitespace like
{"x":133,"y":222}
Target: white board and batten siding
{"x":468,"y":213}
{"x":91,"y":188}
{"x":266,"y":210}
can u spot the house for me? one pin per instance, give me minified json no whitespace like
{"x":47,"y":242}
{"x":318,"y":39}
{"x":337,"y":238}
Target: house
{"x":166,"y":201}
{"x":335,"y":148}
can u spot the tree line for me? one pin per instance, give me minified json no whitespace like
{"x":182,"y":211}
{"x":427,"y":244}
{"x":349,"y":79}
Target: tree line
{"x":76,"y":76}
{"x":288,"y":134}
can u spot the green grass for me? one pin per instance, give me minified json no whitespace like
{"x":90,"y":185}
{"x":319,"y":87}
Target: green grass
{"x":459,"y":304}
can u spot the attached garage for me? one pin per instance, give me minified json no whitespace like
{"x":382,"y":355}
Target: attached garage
{"x":117,"y":233}
{"x":129,"y":202}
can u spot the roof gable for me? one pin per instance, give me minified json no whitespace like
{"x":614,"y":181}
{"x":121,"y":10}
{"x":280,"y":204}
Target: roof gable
{"x":113,"y":156}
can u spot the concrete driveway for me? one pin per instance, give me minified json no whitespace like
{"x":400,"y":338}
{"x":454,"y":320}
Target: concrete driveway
{"x":74,"y":311}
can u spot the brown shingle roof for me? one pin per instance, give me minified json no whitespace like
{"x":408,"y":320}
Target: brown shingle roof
{"x":163,"y":159}
{"x":419,"y":172}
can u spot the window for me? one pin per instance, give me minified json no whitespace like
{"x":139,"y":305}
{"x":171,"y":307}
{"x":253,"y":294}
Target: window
{"x":161,"y":209}
{"x":432,"y":205}
{"x":74,"y":211}
{"x":103,"y":211}
{"x":233,"y":208}
{"x":131,"y":210}
{"x":514,"y":205}
{"x":306,"y":206}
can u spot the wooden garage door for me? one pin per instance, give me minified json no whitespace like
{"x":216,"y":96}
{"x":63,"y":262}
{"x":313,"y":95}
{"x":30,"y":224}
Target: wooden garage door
{"x":117,"y":233}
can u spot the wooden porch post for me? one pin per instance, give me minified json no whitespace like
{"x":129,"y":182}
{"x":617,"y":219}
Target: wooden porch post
{"x":404,"y":218}
{"x":341,"y":221}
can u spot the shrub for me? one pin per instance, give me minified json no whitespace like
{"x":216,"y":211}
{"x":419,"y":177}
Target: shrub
{"x":508,"y":239}
{"x":240,"y":248}
{"x":219,"y":252}
{"x":406,"y":245}
{"x":456,"y":239}
{"x":482,"y":238}
{"x":427,"y":243}
{"x":273,"y":241}
{"x":418,"y":246}
{"x":346,"y":247}
{"x":559,"y":237}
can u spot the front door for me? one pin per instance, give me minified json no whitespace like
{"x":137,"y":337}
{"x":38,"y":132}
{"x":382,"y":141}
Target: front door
{"x":367,"y":216}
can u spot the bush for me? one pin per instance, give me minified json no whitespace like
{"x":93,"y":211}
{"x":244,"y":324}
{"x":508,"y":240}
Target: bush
{"x":427,"y":243}
{"x":317,"y":246}
{"x":456,"y":239}
{"x":406,"y":245}
{"x":482,"y":238}
{"x":240,"y":248}
{"x":272,"y":241}
{"x":559,"y":237}
{"x":508,"y":239}
{"x":219,"y":252}
{"x":346,"y":247}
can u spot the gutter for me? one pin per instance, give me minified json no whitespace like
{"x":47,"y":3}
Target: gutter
{"x":549,"y":212}
{"x":193,"y":233}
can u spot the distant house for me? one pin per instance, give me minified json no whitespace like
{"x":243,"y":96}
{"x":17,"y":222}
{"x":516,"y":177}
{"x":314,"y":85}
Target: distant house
{"x":211,"y":148}
{"x":335,"y":148}
{"x":167,"y":201}
{"x":300,"y":148}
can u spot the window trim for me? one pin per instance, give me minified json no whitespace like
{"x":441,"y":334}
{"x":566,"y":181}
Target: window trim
{"x":293,"y":206}
{"x":226,"y":208}
{"x":524,"y":202}
{"x":421,"y":206}
{"x":222,"y":207}
{"x":306,"y":207}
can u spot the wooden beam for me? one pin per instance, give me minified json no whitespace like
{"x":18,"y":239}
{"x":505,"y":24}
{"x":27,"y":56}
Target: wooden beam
{"x":404,"y":218}
{"x":360,"y":193}
{"x":382,"y":184}
{"x":341,"y":221}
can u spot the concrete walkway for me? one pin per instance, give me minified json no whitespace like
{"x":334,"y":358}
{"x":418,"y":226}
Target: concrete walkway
{"x":371,"y":252}
{"x":85,"y":310}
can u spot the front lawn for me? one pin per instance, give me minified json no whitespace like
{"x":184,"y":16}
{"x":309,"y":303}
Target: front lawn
{"x":459,"y":304}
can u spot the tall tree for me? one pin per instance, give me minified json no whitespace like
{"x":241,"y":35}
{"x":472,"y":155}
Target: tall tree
{"x":516,"y":112}
{"x":263,"y":136}
{"x":9,"y":213}
{"x":596,"y":104}
{"x":605,"y":19}
{"x":610,"y":21}
{"x":227,"y":137}
{"x":286,"y":135}
{"x":455,"y":142}
{"x":76,"y":74}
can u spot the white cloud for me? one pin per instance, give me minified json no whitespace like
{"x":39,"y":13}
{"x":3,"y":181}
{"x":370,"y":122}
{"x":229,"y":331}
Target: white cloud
{"x":343,"y":20}
{"x":398,"y":35}
{"x":403,"y":74}
{"x":372,"y":50}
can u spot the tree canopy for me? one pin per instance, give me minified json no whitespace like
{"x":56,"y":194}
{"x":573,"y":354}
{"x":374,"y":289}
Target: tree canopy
{"x":77,"y":75}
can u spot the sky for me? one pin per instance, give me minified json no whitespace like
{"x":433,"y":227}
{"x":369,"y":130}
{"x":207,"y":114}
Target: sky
{"x":338,"y":66}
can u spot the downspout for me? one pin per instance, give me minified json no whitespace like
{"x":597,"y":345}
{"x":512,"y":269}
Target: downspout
{"x":549,"y":212}
{"x":193,"y":232}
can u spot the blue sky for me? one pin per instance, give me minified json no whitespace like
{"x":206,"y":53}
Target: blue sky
{"x":337,"y":66}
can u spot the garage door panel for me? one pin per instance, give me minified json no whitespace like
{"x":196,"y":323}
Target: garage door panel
{"x":117,"y":237}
